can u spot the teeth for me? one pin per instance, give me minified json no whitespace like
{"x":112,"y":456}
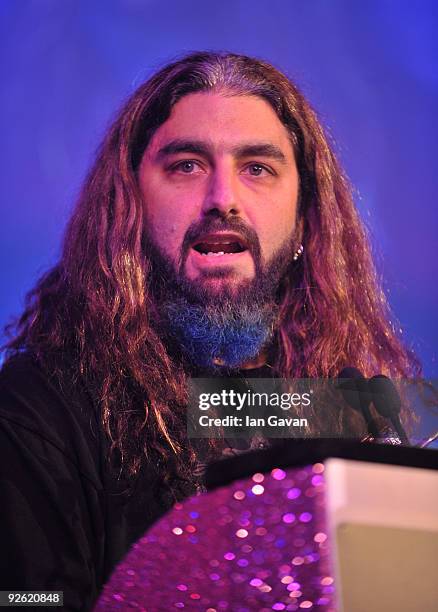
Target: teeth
{"x":214,"y":254}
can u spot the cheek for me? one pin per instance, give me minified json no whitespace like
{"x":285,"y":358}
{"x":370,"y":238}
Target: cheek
{"x":167,"y":230}
{"x":275,"y":228}
{"x":167,"y":223}
{"x":159,"y":212}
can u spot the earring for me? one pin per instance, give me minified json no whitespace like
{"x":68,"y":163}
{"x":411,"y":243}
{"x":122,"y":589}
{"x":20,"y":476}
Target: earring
{"x":298,"y":252}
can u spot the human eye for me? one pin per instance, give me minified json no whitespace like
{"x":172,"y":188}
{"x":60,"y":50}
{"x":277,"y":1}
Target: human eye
{"x":186,"y":166}
{"x":257,"y":169}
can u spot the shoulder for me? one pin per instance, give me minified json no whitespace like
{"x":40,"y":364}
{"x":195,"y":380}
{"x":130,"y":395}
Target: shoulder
{"x":22,"y":378}
{"x":44,"y":410}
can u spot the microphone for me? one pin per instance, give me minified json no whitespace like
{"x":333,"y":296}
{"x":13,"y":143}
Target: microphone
{"x":387,"y":402}
{"x":356,"y":394}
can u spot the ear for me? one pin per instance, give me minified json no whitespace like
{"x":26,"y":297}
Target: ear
{"x":299,"y":229}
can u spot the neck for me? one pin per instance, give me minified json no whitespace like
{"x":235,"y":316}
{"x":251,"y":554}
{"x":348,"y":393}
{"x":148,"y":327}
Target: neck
{"x":251,"y":364}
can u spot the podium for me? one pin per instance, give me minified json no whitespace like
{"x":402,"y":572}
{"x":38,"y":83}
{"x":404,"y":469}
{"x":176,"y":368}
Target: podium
{"x":312,"y":525}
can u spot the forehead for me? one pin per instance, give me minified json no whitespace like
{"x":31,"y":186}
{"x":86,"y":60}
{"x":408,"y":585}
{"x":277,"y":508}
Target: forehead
{"x":224,"y":121}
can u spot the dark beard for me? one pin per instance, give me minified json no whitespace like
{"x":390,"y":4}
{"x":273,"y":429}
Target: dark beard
{"x":232,"y":325}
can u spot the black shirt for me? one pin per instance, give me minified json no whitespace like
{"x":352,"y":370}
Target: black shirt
{"x":66,"y":518}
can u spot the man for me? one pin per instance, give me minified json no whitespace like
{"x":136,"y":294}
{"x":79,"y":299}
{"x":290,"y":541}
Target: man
{"x":214,"y":235}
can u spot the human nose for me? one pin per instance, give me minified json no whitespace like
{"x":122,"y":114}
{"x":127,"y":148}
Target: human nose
{"x":222,"y":195}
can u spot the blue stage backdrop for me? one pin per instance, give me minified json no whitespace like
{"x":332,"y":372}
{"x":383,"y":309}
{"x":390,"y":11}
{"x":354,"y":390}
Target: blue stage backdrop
{"x":369,"y":68}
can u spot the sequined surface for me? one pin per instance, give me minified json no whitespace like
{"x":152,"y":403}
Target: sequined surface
{"x":257,"y":544}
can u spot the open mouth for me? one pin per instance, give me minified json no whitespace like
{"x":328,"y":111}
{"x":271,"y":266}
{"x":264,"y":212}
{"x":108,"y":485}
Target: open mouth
{"x":216,"y":245}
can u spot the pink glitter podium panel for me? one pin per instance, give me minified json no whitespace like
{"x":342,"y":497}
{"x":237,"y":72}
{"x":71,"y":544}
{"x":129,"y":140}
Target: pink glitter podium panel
{"x":259,"y":543}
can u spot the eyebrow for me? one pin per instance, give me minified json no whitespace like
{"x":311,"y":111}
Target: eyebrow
{"x":198,"y":147}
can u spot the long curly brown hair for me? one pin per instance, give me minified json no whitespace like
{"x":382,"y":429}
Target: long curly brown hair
{"x":95,"y":305}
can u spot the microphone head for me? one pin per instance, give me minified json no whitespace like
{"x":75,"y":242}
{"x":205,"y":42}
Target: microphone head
{"x":351,"y":373}
{"x":385,"y":396}
{"x":354,"y":389}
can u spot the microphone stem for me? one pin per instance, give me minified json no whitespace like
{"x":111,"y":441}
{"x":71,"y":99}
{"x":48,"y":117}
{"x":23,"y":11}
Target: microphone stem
{"x":372,"y":427}
{"x":428,"y":441}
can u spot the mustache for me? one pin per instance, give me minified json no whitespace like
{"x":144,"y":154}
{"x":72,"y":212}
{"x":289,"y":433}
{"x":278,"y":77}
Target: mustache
{"x":210,"y":225}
